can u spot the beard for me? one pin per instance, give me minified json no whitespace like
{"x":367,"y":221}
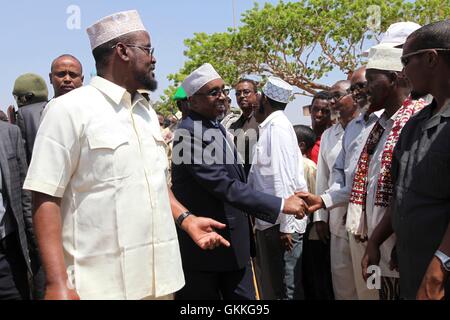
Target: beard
{"x":147,"y":81}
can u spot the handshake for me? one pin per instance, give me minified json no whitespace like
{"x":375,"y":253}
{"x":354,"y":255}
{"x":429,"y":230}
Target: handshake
{"x":302,"y":203}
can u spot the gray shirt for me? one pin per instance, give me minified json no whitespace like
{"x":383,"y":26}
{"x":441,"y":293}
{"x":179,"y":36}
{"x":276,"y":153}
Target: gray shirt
{"x":421,"y":201}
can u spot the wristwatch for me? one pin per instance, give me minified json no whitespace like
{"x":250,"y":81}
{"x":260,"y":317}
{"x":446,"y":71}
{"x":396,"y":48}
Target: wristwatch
{"x":445,"y":260}
{"x":181,"y":218}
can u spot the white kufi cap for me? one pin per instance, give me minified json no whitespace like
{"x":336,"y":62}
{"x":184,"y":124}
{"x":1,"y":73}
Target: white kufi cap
{"x":114,"y":26}
{"x":198,"y":78}
{"x":278,"y":90}
{"x":385,"y":58}
{"x":396,"y":34}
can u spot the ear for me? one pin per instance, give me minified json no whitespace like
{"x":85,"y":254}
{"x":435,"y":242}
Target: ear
{"x":302,"y":145}
{"x":393,"y":76}
{"x":122,"y":51}
{"x":432,"y":58}
{"x":82,"y":79}
{"x":50,"y":77}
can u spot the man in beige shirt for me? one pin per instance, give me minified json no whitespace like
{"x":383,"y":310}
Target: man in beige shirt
{"x":103,"y":212}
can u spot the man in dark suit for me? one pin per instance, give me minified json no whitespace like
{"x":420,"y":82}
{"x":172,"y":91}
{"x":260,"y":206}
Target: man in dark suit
{"x":66,"y":75}
{"x":17,"y":243}
{"x":214,"y":185}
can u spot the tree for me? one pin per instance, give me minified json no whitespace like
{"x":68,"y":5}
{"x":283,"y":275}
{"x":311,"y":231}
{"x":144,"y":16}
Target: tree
{"x":303,"y":41}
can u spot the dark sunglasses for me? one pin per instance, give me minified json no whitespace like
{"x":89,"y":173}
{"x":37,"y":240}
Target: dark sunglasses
{"x":405,"y":58}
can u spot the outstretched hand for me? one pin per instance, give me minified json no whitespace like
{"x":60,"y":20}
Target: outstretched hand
{"x":295,"y":206}
{"x":314,"y":202}
{"x":202,"y":231}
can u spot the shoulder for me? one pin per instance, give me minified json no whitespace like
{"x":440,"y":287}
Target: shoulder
{"x":75,"y":103}
{"x":32,"y":108}
{"x":10,"y":129}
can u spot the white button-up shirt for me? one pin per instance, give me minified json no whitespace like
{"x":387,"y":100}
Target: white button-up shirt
{"x":277,"y":168}
{"x":374,"y":213}
{"x":330,"y":147}
{"x":353,"y":141}
{"x":103,"y":154}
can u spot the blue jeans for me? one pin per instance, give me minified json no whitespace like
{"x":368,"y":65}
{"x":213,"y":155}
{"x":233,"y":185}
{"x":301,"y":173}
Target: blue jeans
{"x":292,"y":273}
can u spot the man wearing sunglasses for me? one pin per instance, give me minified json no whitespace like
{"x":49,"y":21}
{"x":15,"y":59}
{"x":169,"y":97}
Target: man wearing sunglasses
{"x":420,"y":172}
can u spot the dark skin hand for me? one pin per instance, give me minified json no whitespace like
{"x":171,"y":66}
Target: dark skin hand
{"x":286,"y":240}
{"x":432,"y":286}
{"x":314,"y":202}
{"x":323,"y":231}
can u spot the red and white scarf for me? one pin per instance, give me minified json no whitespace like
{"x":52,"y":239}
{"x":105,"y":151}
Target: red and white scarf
{"x":356,"y":214}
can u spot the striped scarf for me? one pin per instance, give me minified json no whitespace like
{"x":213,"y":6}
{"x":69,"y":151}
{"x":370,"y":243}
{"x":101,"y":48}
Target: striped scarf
{"x":357,"y":219}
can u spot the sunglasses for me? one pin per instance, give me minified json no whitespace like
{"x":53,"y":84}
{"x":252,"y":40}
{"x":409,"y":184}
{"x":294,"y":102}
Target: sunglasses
{"x":405,"y":58}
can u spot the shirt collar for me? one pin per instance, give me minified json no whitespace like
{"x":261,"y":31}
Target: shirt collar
{"x":270,"y":118}
{"x":338,"y":128}
{"x":117,"y":93}
{"x":430,"y":120}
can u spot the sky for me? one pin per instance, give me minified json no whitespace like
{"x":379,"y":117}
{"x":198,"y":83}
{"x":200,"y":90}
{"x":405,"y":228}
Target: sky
{"x":36,"y":32}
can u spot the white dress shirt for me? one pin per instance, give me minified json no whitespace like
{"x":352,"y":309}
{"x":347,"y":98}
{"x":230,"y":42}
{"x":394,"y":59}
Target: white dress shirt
{"x":374,"y":213}
{"x":353,"y":141}
{"x":330,"y":147}
{"x":103,"y":154}
{"x":277,"y":168}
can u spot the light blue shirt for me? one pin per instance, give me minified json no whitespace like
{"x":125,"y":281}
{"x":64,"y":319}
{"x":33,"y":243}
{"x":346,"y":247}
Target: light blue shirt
{"x":355,"y":136}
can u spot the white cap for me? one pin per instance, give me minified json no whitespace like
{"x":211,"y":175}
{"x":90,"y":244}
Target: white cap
{"x":396,"y":34}
{"x":198,"y":78}
{"x":278,"y":90}
{"x":114,"y":26}
{"x":385,"y":58}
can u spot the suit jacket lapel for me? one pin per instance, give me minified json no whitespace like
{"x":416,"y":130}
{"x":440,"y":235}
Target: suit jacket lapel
{"x":207,"y":124}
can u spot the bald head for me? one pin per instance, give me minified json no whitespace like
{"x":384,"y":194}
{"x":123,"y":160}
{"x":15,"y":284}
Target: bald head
{"x":359,"y":76}
{"x":64,"y":57}
{"x":342,"y":85}
{"x":66,"y":74}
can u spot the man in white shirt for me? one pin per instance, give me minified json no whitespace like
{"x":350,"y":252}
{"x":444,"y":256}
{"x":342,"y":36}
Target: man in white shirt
{"x":103,"y":212}
{"x":277,"y":169}
{"x":325,"y":223}
{"x":338,"y":194}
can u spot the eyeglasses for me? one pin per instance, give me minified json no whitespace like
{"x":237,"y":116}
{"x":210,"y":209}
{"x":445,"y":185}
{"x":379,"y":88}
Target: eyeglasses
{"x":245,"y":92}
{"x":357,"y":87}
{"x":338,"y":96}
{"x":405,"y":58}
{"x":148,"y":50}
{"x":214,"y":93}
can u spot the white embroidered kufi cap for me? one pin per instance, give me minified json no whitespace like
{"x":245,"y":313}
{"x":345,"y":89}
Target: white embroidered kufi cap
{"x":114,"y":26}
{"x":385,"y":58}
{"x":198,"y":78}
{"x":396,"y":35}
{"x":278,"y":90}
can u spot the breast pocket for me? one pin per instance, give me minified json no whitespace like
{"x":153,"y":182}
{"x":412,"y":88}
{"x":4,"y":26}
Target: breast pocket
{"x":437,"y":164}
{"x":109,"y":156}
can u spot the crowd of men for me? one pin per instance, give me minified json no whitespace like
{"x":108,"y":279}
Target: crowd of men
{"x":104,"y":198}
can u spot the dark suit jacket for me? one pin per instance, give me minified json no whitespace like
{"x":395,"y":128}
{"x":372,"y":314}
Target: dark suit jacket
{"x":28,"y":120}
{"x":218,"y":191}
{"x":14,"y":170}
